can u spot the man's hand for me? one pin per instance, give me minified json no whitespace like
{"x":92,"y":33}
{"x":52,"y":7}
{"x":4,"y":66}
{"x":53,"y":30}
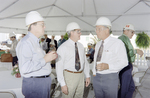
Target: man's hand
{"x":87,"y":82}
{"x":140,"y":52}
{"x":94,"y":75}
{"x":102,"y":66}
{"x":50,"y":56}
{"x":64,"y":89}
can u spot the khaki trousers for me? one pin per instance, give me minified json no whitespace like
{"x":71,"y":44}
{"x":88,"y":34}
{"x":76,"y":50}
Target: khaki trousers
{"x":75,"y":84}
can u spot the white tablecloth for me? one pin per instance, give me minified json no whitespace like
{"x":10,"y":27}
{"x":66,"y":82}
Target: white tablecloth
{"x":9,"y":82}
{"x":7,"y":65}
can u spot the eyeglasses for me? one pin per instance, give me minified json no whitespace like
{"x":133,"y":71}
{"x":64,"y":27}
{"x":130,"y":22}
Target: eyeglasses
{"x":99,"y":29}
{"x":131,"y":31}
{"x":78,"y":31}
{"x":43,"y":24}
{"x":12,"y":37}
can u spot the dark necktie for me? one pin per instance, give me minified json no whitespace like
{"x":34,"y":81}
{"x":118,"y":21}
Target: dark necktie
{"x":99,"y":55}
{"x":77,"y":59}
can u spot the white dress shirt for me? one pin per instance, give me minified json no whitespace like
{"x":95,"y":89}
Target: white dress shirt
{"x":114,"y":54}
{"x":31,"y":57}
{"x":66,"y":60}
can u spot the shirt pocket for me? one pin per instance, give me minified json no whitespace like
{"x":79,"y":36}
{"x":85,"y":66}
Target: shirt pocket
{"x":38,"y":53}
{"x":107,"y":55}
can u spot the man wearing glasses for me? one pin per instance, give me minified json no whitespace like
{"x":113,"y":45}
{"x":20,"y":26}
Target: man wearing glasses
{"x":34,"y":64}
{"x":127,"y":86}
{"x":109,"y":58}
{"x":12,"y":46}
{"x":71,"y":64}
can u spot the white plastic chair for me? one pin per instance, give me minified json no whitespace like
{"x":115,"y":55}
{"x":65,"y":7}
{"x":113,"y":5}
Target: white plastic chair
{"x":7,"y":94}
{"x":137,"y":84}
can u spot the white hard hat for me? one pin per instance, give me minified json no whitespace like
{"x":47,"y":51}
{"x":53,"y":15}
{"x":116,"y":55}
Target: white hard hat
{"x":42,"y":37}
{"x":89,"y":44}
{"x":103,"y":21}
{"x":12,"y":34}
{"x":72,"y":26}
{"x":33,"y":17}
{"x":128,"y":27}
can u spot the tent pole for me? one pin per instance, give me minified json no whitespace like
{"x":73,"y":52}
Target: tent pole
{"x":146,"y":3}
{"x":95,"y":8}
{"x":74,"y":16}
{"x":9,"y":6}
{"x":50,"y":9}
{"x":83,"y":5}
{"x":126,"y":11}
{"x":24,"y":12}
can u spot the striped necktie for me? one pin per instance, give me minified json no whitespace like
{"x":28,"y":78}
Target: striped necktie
{"x":77,"y":59}
{"x":99,"y":55}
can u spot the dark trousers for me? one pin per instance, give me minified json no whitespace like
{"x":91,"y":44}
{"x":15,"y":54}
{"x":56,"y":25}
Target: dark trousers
{"x":127,"y":86}
{"x":15,"y":60}
{"x":36,"y":87}
{"x":105,"y":85}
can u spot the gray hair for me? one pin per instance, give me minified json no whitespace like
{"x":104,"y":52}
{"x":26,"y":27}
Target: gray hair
{"x":29,"y":28}
{"x":108,"y":28}
{"x":69,"y":33}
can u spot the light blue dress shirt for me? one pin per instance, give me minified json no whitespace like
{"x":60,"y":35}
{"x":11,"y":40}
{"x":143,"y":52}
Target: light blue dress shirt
{"x":31,"y":57}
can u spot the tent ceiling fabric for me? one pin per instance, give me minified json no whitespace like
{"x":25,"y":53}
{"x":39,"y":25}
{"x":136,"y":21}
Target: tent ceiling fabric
{"x":58,"y":13}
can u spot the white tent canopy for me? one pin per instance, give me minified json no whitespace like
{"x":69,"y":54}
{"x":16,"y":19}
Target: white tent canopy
{"x":58,"y":13}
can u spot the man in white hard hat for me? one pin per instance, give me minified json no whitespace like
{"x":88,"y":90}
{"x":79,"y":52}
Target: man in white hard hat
{"x":109,"y":58}
{"x":34,"y":64}
{"x":12,"y":46}
{"x":72,"y":64}
{"x":127,"y":86}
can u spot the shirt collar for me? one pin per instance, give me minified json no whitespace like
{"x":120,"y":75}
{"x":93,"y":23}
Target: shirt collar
{"x":34,"y":37}
{"x":71,"y":41}
{"x":107,"y":39}
{"x":125,"y":36}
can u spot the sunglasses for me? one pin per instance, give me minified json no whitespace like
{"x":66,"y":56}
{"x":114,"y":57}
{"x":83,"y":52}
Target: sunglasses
{"x":13,"y":37}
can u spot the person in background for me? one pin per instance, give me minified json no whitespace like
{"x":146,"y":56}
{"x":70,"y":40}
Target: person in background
{"x":52,"y":48}
{"x":71,"y":63}
{"x":90,"y":50}
{"x":43,"y":44}
{"x":53,"y":41}
{"x":62,"y":40}
{"x":92,"y":54}
{"x":12,"y":46}
{"x":48,"y":40}
{"x":34,"y":64}
{"x":23,"y":35}
{"x":109,"y":58}
{"x":127,"y":86}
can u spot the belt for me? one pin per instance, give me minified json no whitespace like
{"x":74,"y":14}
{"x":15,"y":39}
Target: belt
{"x":40,"y":76}
{"x":73,"y":71}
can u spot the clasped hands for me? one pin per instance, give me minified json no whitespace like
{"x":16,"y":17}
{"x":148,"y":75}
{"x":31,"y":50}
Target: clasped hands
{"x":102,"y":66}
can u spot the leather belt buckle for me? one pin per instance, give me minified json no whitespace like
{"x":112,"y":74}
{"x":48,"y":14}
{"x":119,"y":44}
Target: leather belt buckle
{"x":40,"y":76}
